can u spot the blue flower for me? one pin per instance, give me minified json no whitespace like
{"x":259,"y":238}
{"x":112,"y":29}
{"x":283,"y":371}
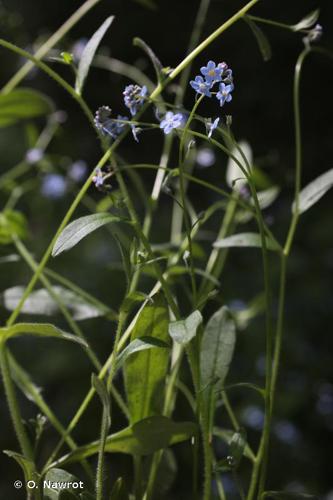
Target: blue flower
{"x":224,"y":93}
{"x":212,"y":126}
{"x":135,"y":131}
{"x":134,"y":97}
{"x":53,"y":186}
{"x":211,"y":72}
{"x":171,"y":121}
{"x":98,"y":178}
{"x":201,"y":86}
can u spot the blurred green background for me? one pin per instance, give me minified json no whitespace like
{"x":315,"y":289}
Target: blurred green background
{"x":262,"y":114}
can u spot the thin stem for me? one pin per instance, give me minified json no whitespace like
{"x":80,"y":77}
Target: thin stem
{"x":13,"y":405}
{"x":49,"y":44}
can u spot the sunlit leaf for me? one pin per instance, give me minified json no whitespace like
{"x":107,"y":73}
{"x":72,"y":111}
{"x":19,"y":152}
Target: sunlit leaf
{"x":41,"y":302}
{"x":263,"y":43}
{"x":235,"y":177}
{"x":89,"y":53}
{"x":145,"y":371}
{"x":38,"y":330}
{"x":245,"y":240}
{"x":12,"y":223}
{"x":314,"y":191}
{"x":227,"y":435}
{"x":184,"y":330}
{"x":60,"y":485}
{"x":307,"y":21}
{"x":142,"y":438}
{"x":22,"y":104}
{"x":79,"y":229}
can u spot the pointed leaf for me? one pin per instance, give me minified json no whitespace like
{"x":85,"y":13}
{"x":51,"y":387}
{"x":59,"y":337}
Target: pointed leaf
{"x":79,"y":229}
{"x":41,"y":302}
{"x":145,"y":371}
{"x":89,"y":53}
{"x":217,"y":348}
{"x":39,"y":330}
{"x":307,"y":21}
{"x":142,"y":438}
{"x":226,"y":435}
{"x":245,"y":240}
{"x":27,"y":465}
{"x":184,"y":330}
{"x":263,"y":43}
{"x":21,"y":104}
{"x":137,"y":345}
{"x":314,"y":191}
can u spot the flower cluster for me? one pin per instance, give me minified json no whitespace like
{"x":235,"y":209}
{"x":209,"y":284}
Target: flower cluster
{"x":134,"y":97}
{"x":214,"y":74}
{"x":107,"y":125}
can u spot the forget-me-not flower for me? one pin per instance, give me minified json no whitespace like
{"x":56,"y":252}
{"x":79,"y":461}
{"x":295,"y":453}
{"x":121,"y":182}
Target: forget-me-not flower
{"x":211,"y":126}
{"x":201,"y":86}
{"x":107,"y":125}
{"x":171,"y":121}
{"x":211,"y":72}
{"x":224,"y":93}
{"x":134,"y":97}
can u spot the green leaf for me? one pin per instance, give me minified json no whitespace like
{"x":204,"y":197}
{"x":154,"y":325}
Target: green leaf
{"x":234,"y":176}
{"x":263,"y":43}
{"x":138,"y":42}
{"x":286,"y":495}
{"x":137,"y":345}
{"x":145,"y":371}
{"x":267,"y":197}
{"x":142,"y":438}
{"x":217,"y":348}
{"x":13,"y":257}
{"x":26,"y":465}
{"x":314,"y":191}
{"x":227,"y":435}
{"x":41,"y":302}
{"x":245,"y":240}
{"x":60,"y":485}
{"x":12,"y":223}
{"x":89,"y":53}
{"x":79,"y":229}
{"x":307,"y":21}
{"x":21,"y":104}
{"x":184,"y":330}
{"x":39,"y":330}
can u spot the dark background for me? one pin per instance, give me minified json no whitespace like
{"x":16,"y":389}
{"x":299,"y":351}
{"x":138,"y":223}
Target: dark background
{"x":262,"y":114}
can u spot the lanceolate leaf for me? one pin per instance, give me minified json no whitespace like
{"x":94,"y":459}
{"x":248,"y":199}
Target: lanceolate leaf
{"x":245,"y":240}
{"x":60,"y":484}
{"x":314,"y":191}
{"x":39,"y":330}
{"x":263,"y":43}
{"x":41,"y":302}
{"x":217,"y":349}
{"x":26,"y":465}
{"x":89,"y":53}
{"x":183,"y":331}
{"x":142,"y":438}
{"x":21,"y":104}
{"x":145,"y":371}
{"x":150,"y":53}
{"x":235,"y":176}
{"x":79,"y":229}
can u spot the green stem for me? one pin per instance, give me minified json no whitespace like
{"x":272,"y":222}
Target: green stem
{"x":51,"y":42}
{"x":13,"y":405}
{"x":100,"y":460}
